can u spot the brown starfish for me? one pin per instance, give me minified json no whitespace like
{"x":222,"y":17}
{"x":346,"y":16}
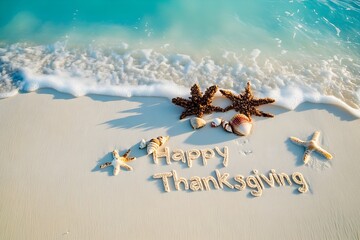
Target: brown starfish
{"x":198,"y":104}
{"x":246,"y":103}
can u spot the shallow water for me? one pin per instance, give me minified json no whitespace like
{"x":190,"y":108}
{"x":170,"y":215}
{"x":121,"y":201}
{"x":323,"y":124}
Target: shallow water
{"x":294,"y":51}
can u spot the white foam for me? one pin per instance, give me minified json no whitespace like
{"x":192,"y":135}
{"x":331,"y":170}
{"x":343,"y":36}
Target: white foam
{"x":9,"y":94}
{"x":127,"y":72}
{"x":290,"y":98}
{"x":78,"y":88}
{"x":255,"y":53}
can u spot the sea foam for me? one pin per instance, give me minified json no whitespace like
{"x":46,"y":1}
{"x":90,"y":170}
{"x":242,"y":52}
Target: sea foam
{"x":127,"y":72}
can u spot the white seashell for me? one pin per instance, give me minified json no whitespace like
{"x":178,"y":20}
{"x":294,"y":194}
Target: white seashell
{"x":197,"y":123}
{"x":216,"y":122}
{"x":243,"y":129}
{"x":155,"y":143}
{"x":226,"y":125}
{"x":142,"y":144}
{"x":241,"y":124}
{"x":152,"y":147}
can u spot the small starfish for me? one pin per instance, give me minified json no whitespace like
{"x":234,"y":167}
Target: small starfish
{"x":198,"y":104}
{"x":118,"y":161}
{"x":245,"y":102}
{"x":311,"y":146}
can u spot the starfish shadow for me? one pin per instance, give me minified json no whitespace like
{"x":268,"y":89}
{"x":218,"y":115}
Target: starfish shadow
{"x":152,"y":113}
{"x":298,"y":152}
{"x":155,"y":113}
{"x":106,"y":158}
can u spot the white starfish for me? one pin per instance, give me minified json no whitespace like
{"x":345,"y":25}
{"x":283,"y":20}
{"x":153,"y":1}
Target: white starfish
{"x":311,"y":146}
{"x":118,"y":162}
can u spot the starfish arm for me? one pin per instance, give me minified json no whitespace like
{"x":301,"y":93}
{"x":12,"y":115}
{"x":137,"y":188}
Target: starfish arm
{"x":316,"y":135}
{"x":116,"y":169}
{"x":181,"y":102}
{"x":218,"y":109}
{"x":306,"y":156}
{"x":105,"y":165}
{"x":262,"y":114}
{"x":228,"y":108}
{"x":184,"y":115}
{"x":324,"y":152}
{"x":212,"y":108}
{"x":127,"y":167}
{"x":209,"y":94}
{"x":298,"y":141}
{"x":198,"y":104}
{"x":196,"y":93}
{"x":262,"y":101}
{"x":188,"y":112}
{"x":126,"y":154}
{"x":128,"y":159}
{"x":248,"y":93}
{"x":200,"y":114}
{"x":115,"y":155}
{"x":228,"y":95}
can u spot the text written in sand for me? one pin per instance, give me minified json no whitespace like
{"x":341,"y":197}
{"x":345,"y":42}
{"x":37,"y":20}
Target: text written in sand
{"x":189,"y":156}
{"x":257,"y":182}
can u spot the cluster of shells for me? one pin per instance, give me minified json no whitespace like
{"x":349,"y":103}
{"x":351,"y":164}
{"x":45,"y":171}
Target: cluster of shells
{"x":239,"y":124}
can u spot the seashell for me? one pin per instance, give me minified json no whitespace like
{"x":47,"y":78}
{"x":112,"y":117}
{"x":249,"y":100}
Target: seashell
{"x":155,"y":143}
{"x":241,"y":124}
{"x":163,"y":139}
{"x":226,"y":125}
{"x":152,"y":147}
{"x":142,"y":144}
{"x":216,"y":122}
{"x":197,"y":123}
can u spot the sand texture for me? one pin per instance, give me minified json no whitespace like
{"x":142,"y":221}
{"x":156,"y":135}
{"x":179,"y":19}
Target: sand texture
{"x":51,"y":186}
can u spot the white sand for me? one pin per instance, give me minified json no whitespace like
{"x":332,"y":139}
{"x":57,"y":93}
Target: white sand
{"x":51,"y":187}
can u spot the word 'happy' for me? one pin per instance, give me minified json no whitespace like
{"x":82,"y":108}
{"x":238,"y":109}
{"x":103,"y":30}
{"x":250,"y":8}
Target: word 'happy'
{"x":191,"y":155}
{"x":254,"y":182}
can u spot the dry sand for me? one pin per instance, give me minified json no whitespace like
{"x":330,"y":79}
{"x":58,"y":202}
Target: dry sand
{"x":51,"y":186}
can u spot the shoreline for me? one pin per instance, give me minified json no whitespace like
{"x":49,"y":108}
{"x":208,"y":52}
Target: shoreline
{"x":52,"y":186}
{"x":165,"y":90}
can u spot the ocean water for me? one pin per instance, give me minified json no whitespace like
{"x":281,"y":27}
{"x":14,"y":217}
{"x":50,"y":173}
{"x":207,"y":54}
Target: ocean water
{"x":294,"y":51}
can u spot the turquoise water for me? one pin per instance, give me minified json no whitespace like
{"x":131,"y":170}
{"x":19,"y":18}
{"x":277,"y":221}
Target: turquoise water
{"x":294,"y":51}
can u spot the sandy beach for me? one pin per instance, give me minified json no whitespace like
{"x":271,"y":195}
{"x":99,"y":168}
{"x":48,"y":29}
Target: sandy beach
{"x":52,"y":188}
